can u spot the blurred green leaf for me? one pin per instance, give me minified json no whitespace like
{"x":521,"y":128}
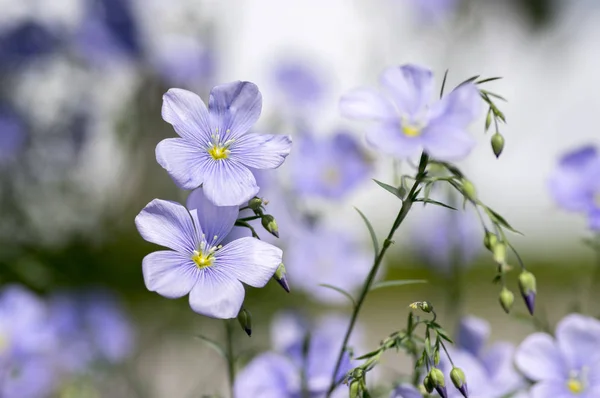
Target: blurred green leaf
{"x":391,"y":189}
{"x":434,"y":202}
{"x":381,"y":285}
{"x":371,"y":232}
{"x":341,"y":291}
{"x":212,"y":344}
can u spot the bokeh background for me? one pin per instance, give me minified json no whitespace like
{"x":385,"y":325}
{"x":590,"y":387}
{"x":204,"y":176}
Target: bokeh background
{"x":80,"y":95}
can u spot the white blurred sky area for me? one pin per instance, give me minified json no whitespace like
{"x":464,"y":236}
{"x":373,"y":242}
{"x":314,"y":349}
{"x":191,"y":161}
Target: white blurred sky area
{"x":551,"y":79}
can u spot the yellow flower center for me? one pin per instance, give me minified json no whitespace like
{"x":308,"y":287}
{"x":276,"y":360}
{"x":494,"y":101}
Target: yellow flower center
{"x":331,"y":176}
{"x":218,"y":152}
{"x":411,"y":131}
{"x":202,"y":260}
{"x":575,"y":386}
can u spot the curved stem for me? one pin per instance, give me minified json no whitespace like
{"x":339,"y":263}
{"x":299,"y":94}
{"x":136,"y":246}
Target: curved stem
{"x":230,"y":355}
{"x":406,"y":205}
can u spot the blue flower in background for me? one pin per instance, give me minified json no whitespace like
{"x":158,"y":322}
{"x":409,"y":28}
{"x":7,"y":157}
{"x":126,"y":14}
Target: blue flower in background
{"x":278,"y":374}
{"x":299,"y":84}
{"x":575,"y":185}
{"x":326,"y":255}
{"x":184,"y":61}
{"x":12,"y":135}
{"x":407,"y":123}
{"x":328,"y":167}
{"x":25,"y":43}
{"x":215,"y":149}
{"x":197,"y":264}
{"x":565,"y":366}
{"x":434,"y":10}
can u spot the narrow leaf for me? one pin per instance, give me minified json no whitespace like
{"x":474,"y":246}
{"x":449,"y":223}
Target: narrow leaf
{"x":371,"y":232}
{"x":469,"y":80}
{"x":434,"y":202}
{"x":489,"y":79}
{"x":368,"y":355}
{"x":444,"y":83}
{"x":442,"y":333}
{"x":391,"y":189}
{"x":341,"y":291}
{"x":380,"y":285}
{"x":500,"y":220}
{"x":501,"y":98}
{"x":212,"y":344}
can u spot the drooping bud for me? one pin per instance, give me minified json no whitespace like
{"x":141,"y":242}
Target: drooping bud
{"x":245,"y":319}
{"x":489,"y":240}
{"x":488,"y":119}
{"x":469,"y":190}
{"x":499,"y":250}
{"x":527,"y":285}
{"x":428,"y":384}
{"x":354,"y":389}
{"x":268,"y":222}
{"x":426,"y":307}
{"x":507,"y":298}
{"x":437,"y":380}
{"x":460,"y":381}
{"x":255,"y":203}
{"x":497,"y":144}
{"x":280,"y":277}
{"x":436,"y":358}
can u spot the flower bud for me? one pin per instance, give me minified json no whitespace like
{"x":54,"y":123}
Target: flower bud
{"x":280,"y":277}
{"x":268,"y":222}
{"x":527,"y":285}
{"x":497,"y":144}
{"x":436,"y":358}
{"x":507,"y":298}
{"x":460,"y":381}
{"x":437,"y":380}
{"x":245,"y":319}
{"x":489,"y":240}
{"x":469,"y":190}
{"x":499,"y":250}
{"x":354,"y":389}
{"x":428,"y":384}
{"x":488,"y":119}
{"x":255,"y":203}
{"x":426,"y":307}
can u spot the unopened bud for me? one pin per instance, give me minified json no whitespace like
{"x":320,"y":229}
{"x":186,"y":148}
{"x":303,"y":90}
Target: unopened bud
{"x":499,"y":250}
{"x":507,"y":298}
{"x":268,"y":222}
{"x":527,"y":285}
{"x":428,"y":384}
{"x":245,"y":320}
{"x":255,"y":203}
{"x":436,"y":358}
{"x":280,"y":277}
{"x":489,"y":240}
{"x":354,"y":389}
{"x":426,"y":307}
{"x":488,"y":119}
{"x":460,"y":381}
{"x":469,"y":190}
{"x":497,"y":144}
{"x":437,"y":380}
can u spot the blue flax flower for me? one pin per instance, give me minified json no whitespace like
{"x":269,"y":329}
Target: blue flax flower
{"x":575,"y":185}
{"x":329,"y":167}
{"x":299,"y":84}
{"x":565,"y":366}
{"x":197,"y":264}
{"x":279,"y":374}
{"x":406,"y":120}
{"x":215,"y":149}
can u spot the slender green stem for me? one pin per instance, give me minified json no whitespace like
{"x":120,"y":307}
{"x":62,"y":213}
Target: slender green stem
{"x":406,"y":206}
{"x":229,"y":354}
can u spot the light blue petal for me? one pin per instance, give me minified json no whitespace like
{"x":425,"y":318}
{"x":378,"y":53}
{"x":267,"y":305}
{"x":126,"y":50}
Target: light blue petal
{"x":473,"y":332}
{"x":250,"y":260}
{"x":217,"y":294}
{"x":169,"y":273}
{"x":411,"y":87}
{"x":459,"y":108}
{"x":261,"y":151}
{"x":167,"y":224}
{"x":554,"y":389}
{"x":229,"y":183}
{"x":578,"y":338}
{"x":184,"y":162}
{"x":388,"y":138}
{"x":211,"y":220}
{"x":406,"y":391}
{"x":367,"y":104}
{"x":234,"y":108}
{"x":539,"y":358}
{"x":447,"y":142}
{"x":579,"y":159}
{"x":268,"y":375}
{"x":186,"y":112}
{"x":502,"y":375}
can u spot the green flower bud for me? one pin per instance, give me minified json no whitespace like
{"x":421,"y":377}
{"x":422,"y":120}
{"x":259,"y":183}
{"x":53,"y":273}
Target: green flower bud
{"x":436,"y":358}
{"x":497,"y":144}
{"x":280,"y":277}
{"x":428,"y":384}
{"x":354,"y":389}
{"x":489,"y":240}
{"x":245,"y":319}
{"x":255,"y":203}
{"x":437,"y":380}
{"x":460,"y":381}
{"x":469,"y":190}
{"x":507,"y":298}
{"x":426,"y":307}
{"x":488,"y":119}
{"x":527,"y":285}
{"x":268,"y":222}
{"x":499,"y":250}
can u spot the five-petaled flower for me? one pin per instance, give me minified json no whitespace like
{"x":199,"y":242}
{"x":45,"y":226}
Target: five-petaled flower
{"x":575,"y":185}
{"x":406,"y":122}
{"x":198,"y":264}
{"x":215,"y":149}
{"x":568,"y":366}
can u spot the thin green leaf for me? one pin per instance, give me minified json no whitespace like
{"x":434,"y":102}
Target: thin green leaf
{"x":368,"y":355}
{"x":444,"y":83}
{"x":341,"y":291}
{"x":212,"y":344}
{"x":434,"y":202}
{"x":469,"y":80}
{"x":501,"y":98}
{"x":442,"y":333}
{"x":371,"y":231}
{"x":404,"y":282}
{"x":500,"y":220}
{"x":489,"y":79}
{"x":391,"y":189}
